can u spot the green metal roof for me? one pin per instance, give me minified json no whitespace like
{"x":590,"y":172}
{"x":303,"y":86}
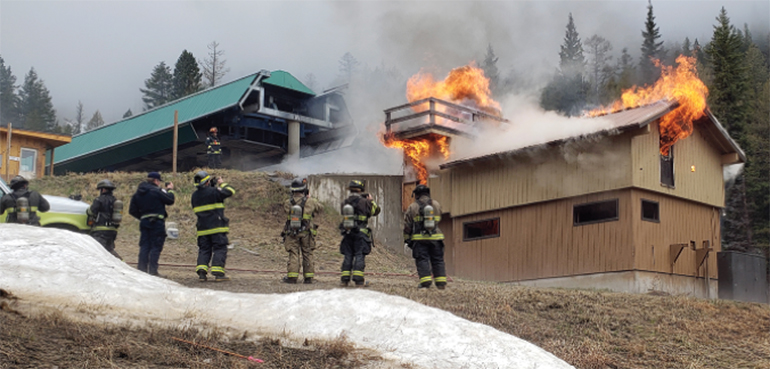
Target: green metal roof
{"x":286,"y":80}
{"x":156,"y":120}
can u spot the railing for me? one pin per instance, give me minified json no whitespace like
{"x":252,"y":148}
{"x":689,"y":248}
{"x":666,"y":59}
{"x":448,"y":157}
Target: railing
{"x":436,"y":108}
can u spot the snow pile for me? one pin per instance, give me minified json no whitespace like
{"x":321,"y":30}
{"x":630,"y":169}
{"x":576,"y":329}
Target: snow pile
{"x":72,"y":272}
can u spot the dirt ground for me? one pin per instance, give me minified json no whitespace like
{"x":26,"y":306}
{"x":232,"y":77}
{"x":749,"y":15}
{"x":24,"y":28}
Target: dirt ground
{"x":587,"y":328}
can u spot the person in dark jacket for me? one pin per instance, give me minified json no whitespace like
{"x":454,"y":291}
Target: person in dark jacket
{"x":148,"y":205}
{"x":208,"y":203}
{"x":423,"y":236}
{"x":104,"y":228}
{"x":214,"y":149}
{"x":37,"y":203}
{"x":357,"y":237}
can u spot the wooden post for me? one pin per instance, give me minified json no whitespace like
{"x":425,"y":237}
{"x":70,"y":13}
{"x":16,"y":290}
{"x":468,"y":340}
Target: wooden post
{"x":51,"y":168}
{"x":8,"y":154}
{"x":176,"y":139}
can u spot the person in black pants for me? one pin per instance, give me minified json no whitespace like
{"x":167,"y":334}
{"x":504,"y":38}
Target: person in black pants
{"x":208,"y":203}
{"x":357,"y":236}
{"x":423,"y":236}
{"x":104,"y":228}
{"x":149,"y":206}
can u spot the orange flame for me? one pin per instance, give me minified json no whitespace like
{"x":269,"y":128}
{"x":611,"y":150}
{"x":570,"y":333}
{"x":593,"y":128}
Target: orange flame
{"x":420,"y":149}
{"x":680,"y":84}
{"x":463,"y":84}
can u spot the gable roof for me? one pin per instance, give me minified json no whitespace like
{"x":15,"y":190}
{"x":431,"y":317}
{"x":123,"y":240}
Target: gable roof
{"x":286,"y":80}
{"x":622,"y":121}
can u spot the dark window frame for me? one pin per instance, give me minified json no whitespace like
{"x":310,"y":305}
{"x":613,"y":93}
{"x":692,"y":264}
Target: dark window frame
{"x":575,"y":223}
{"x":465,"y":230}
{"x":663,"y":161}
{"x":657,"y":213}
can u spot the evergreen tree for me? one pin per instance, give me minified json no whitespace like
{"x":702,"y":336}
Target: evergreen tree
{"x":489,"y":65}
{"x":348,"y":66}
{"x":600,"y":70}
{"x":37,"y":112}
{"x":567,"y":91}
{"x":728,"y":89}
{"x":698,"y":53}
{"x":158,"y":88}
{"x":213,"y":67}
{"x":187,"y":76}
{"x":95,"y":122}
{"x":9,"y":100}
{"x":687,"y":47}
{"x":651,"y":49}
{"x":736,"y":234}
{"x":127,"y":114}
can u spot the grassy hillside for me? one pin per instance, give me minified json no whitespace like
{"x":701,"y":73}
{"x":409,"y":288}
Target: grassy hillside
{"x":587,"y":328}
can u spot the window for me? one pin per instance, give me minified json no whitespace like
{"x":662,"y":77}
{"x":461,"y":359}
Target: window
{"x":28,"y":160}
{"x":595,"y":212}
{"x":667,"y":168}
{"x":650,"y":211}
{"x":482,"y":229}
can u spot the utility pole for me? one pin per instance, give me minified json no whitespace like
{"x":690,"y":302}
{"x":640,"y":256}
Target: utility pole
{"x":8,"y":154}
{"x":176,"y":139}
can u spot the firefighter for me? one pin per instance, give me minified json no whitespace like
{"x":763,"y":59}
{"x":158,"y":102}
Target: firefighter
{"x":208,"y":203}
{"x":357,"y":236}
{"x":423,"y":236}
{"x":214,"y":149}
{"x":299,"y":232}
{"x":22,"y":205}
{"x":148,"y":205}
{"x":104,"y":215}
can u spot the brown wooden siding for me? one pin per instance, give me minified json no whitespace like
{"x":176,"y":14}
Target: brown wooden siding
{"x":704,"y":185}
{"x":680,"y":222}
{"x":441,"y":189}
{"x":19,"y":142}
{"x":576,"y":168}
{"x":540,"y":241}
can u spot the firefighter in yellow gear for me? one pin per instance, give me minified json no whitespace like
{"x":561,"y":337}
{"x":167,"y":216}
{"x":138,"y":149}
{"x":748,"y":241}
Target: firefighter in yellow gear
{"x":299,"y":232}
{"x":423,"y":236}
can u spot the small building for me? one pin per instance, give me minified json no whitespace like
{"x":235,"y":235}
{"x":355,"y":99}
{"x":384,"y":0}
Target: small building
{"x":261,"y":118}
{"x":29,"y":152}
{"x":605,"y":210}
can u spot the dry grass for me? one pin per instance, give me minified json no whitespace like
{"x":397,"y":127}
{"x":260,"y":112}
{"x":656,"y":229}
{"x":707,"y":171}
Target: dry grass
{"x":589,"y":329}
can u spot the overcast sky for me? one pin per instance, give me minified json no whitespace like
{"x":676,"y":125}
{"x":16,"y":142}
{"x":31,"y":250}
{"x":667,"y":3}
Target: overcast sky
{"x":101,"y":52}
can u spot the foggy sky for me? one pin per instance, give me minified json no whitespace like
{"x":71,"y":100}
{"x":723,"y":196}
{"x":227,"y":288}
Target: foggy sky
{"x":101,"y":52}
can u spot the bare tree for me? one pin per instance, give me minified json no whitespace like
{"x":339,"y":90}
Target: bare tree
{"x":598,"y":54}
{"x":95,"y":122}
{"x":77,"y":124}
{"x":213,"y":67}
{"x":311,"y":82}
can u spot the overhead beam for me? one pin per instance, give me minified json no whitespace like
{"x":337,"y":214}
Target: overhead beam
{"x":731,"y":158}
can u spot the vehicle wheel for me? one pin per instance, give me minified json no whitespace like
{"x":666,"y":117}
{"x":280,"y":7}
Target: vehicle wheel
{"x":65,"y":227}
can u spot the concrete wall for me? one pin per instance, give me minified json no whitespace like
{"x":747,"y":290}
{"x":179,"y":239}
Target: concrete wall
{"x":386,"y":191}
{"x":633,"y":282}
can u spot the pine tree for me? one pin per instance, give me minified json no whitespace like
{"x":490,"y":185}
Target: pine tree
{"x":489,"y":65}
{"x":567,"y":91}
{"x":37,"y":112}
{"x":95,"y":122}
{"x":158,"y":88}
{"x":9,"y":100}
{"x":348,"y":66}
{"x":687,"y":47}
{"x":651,"y":49}
{"x":213,"y":67}
{"x":128,"y":114}
{"x":187,"y":76}
{"x":571,"y":60}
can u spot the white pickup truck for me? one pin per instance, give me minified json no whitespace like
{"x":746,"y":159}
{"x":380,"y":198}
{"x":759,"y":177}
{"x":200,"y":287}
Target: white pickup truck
{"x":65,"y":213}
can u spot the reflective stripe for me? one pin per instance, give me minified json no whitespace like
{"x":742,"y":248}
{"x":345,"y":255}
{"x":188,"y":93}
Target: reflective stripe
{"x":374,"y":207}
{"x":159,"y":216}
{"x":313,"y":232}
{"x":292,"y":275}
{"x":441,"y":279}
{"x":362,"y":218}
{"x":358,"y":273}
{"x":432,"y":237}
{"x":346,"y":273}
{"x":217,"y":205}
{"x":307,"y":216}
{"x":215,"y":269}
{"x":365,"y":231}
{"x":104,"y":228}
{"x":309,"y":275}
{"x":207,"y":232}
{"x":206,"y":178}
{"x":204,"y":268}
{"x":226,"y":186}
{"x":420,"y":218}
{"x":426,"y":279}
{"x":31,"y":209}
{"x":407,"y":237}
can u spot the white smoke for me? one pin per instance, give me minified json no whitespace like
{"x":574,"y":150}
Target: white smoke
{"x":730,"y":172}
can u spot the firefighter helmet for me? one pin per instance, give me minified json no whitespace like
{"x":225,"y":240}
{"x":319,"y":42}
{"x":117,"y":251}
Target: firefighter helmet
{"x":356,"y":184}
{"x":421,"y":189}
{"x":213,"y":130}
{"x":105,"y":183}
{"x":298,"y":186}
{"x":201,"y":178}
{"x":17,"y":182}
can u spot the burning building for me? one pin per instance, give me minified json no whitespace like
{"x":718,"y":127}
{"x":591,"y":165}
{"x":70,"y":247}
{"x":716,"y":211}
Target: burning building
{"x":634,"y":207}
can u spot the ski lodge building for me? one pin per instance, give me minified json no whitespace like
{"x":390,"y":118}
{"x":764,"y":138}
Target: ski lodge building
{"x":599,"y":211}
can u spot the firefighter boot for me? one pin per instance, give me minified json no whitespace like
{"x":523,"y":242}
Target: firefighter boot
{"x":308,"y":280}
{"x":289,"y":280}
{"x":220,"y":277}
{"x":202,"y":276}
